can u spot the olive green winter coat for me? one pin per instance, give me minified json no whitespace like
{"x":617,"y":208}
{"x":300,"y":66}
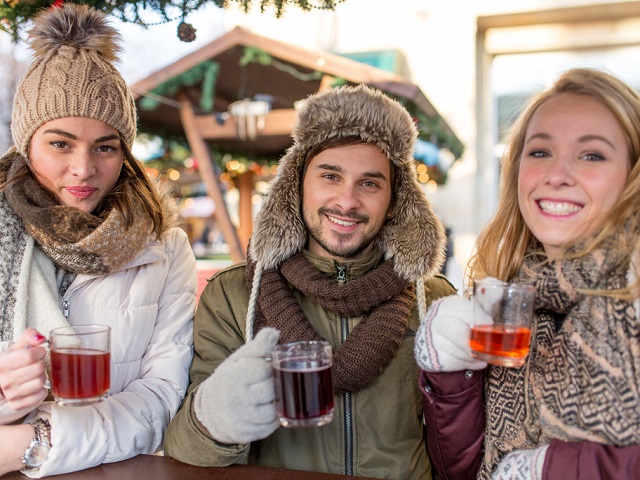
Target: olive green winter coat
{"x":376,"y":432}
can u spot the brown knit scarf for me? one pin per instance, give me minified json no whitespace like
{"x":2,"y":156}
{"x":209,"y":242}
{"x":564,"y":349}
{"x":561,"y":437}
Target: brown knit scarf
{"x":76,"y":241}
{"x":581,"y":380}
{"x":381,"y":297}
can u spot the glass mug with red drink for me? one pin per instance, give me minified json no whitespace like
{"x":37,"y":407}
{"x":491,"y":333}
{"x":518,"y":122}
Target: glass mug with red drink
{"x":502,"y":314}
{"x":80,"y":364}
{"x":303,"y":382}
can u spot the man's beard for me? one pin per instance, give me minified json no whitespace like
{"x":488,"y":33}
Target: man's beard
{"x":339,"y":247}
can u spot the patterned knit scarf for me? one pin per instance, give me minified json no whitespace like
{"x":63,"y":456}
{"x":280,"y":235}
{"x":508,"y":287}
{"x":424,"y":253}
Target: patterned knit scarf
{"x":13,"y":242}
{"x":581,"y":381}
{"x":76,"y":241}
{"x":381,"y":297}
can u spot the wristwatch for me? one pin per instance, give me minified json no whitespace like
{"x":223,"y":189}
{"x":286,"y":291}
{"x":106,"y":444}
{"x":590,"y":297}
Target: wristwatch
{"x":38,"y":450}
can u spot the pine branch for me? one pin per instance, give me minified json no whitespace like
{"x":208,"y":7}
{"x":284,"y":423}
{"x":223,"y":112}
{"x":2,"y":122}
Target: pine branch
{"x":16,"y":15}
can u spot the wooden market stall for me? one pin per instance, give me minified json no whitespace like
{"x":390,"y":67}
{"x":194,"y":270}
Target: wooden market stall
{"x":238,"y":93}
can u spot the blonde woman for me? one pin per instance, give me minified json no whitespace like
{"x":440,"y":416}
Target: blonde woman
{"x":568,"y":221}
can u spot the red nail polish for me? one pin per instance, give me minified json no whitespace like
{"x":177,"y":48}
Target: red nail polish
{"x":38,"y":338}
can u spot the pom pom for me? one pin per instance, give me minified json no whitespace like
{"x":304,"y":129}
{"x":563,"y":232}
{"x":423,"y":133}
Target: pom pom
{"x":77,"y":26}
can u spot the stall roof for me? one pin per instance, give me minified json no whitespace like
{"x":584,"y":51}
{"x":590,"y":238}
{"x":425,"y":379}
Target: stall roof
{"x":241,"y":64}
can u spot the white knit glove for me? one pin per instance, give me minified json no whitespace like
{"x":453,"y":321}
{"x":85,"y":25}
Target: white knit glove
{"x":237,"y":402}
{"x":442,"y":341}
{"x":522,"y":465}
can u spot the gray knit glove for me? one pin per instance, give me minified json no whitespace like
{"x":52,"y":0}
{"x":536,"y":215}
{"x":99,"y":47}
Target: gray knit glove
{"x":236,"y":404}
{"x":522,"y":465}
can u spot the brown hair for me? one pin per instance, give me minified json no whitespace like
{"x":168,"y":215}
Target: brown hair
{"x":334,"y":142}
{"x":133,"y":180}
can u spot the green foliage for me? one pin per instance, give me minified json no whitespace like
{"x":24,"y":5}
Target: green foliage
{"x":205,"y":72}
{"x":280,"y":5}
{"x":259,"y":56}
{"x":15,"y":15}
{"x":432,"y":130}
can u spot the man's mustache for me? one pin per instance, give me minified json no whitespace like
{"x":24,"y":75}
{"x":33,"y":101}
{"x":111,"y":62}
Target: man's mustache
{"x":350,"y":215}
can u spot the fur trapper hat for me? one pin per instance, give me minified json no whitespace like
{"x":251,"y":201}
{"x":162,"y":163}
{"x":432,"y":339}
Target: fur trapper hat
{"x":414,"y":237}
{"x":72,"y":75}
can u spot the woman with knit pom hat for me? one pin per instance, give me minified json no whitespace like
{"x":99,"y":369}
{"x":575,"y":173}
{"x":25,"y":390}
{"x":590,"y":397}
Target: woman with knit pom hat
{"x":345,"y":248}
{"x":86,"y":238}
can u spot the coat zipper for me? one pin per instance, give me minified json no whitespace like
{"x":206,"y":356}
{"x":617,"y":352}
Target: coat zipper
{"x":342,"y":273}
{"x":66,"y":306}
{"x":348,"y":415}
{"x":346,"y":396}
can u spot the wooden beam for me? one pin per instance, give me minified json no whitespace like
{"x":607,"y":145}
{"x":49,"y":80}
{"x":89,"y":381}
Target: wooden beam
{"x":245,"y":182}
{"x":205,"y":167}
{"x":277,"y":122}
{"x":579,"y":14}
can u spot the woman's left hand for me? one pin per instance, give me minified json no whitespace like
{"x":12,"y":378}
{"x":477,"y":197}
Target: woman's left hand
{"x":442,"y":339}
{"x":522,"y":465}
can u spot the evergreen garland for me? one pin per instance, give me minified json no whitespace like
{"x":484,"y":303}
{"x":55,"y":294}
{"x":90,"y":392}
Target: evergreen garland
{"x":15,"y":15}
{"x":259,"y":56}
{"x":205,"y":72}
{"x":431,"y":129}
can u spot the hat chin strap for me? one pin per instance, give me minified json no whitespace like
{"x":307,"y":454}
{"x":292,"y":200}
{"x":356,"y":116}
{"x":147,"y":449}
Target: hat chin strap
{"x":253,"y":301}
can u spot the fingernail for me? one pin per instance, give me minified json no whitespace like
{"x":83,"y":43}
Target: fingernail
{"x":39,"y":338}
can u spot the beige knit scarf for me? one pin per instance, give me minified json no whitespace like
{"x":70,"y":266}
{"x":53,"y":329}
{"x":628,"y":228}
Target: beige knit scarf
{"x":381,"y":297}
{"x":76,"y":241}
{"x":582,"y":377}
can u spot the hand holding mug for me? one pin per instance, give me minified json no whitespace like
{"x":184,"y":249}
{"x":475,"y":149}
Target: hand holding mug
{"x":502,"y":315}
{"x":22,"y":372}
{"x":304,"y":383}
{"x":442,"y":340}
{"x":236,"y":404}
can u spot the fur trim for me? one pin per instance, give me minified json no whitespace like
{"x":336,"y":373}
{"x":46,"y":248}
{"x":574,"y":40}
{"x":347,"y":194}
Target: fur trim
{"x":414,"y":237}
{"x":77,"y":26}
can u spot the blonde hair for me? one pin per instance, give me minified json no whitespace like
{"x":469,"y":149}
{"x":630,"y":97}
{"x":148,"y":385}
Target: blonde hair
{"x":501,"y":246}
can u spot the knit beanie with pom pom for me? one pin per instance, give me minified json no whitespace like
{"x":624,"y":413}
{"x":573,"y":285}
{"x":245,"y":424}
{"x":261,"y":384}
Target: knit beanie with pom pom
{"x":72,"y":75}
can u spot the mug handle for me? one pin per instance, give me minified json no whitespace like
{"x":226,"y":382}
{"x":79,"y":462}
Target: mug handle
{"x":45,"y":345}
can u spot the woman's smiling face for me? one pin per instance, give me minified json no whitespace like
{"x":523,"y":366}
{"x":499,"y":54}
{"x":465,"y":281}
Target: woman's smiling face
{"x":573,"y":168}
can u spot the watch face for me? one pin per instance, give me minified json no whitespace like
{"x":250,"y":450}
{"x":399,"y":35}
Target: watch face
{"x":37,"y":454}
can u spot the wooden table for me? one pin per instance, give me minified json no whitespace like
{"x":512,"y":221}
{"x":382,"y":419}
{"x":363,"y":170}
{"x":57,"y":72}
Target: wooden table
{"x":153,"y":467}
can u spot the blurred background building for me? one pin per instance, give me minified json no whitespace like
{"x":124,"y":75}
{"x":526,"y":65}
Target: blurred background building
{"x":475,"y":62}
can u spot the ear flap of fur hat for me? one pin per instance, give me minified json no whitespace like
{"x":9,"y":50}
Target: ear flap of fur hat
{"x":414,"y":237}
{"x":72,"y":75}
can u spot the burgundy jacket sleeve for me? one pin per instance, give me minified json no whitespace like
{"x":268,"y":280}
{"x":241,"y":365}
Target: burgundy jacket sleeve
{"x":455,"y":421}
{"x":590,"y":461}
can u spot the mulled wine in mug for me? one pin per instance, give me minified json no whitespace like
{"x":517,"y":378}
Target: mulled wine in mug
{"x":502,"y":314}
{"x":304,"y":383}
{"x":80,"y":364}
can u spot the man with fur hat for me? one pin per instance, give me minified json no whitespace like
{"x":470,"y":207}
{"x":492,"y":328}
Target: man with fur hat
{"x":345,"y":248}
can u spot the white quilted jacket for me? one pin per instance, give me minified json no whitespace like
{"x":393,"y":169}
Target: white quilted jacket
{"x":149,"y":305}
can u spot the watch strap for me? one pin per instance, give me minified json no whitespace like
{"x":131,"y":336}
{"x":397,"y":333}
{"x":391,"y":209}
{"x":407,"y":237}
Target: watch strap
{"x":41,"y":435}
{"x":42,"y":430}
